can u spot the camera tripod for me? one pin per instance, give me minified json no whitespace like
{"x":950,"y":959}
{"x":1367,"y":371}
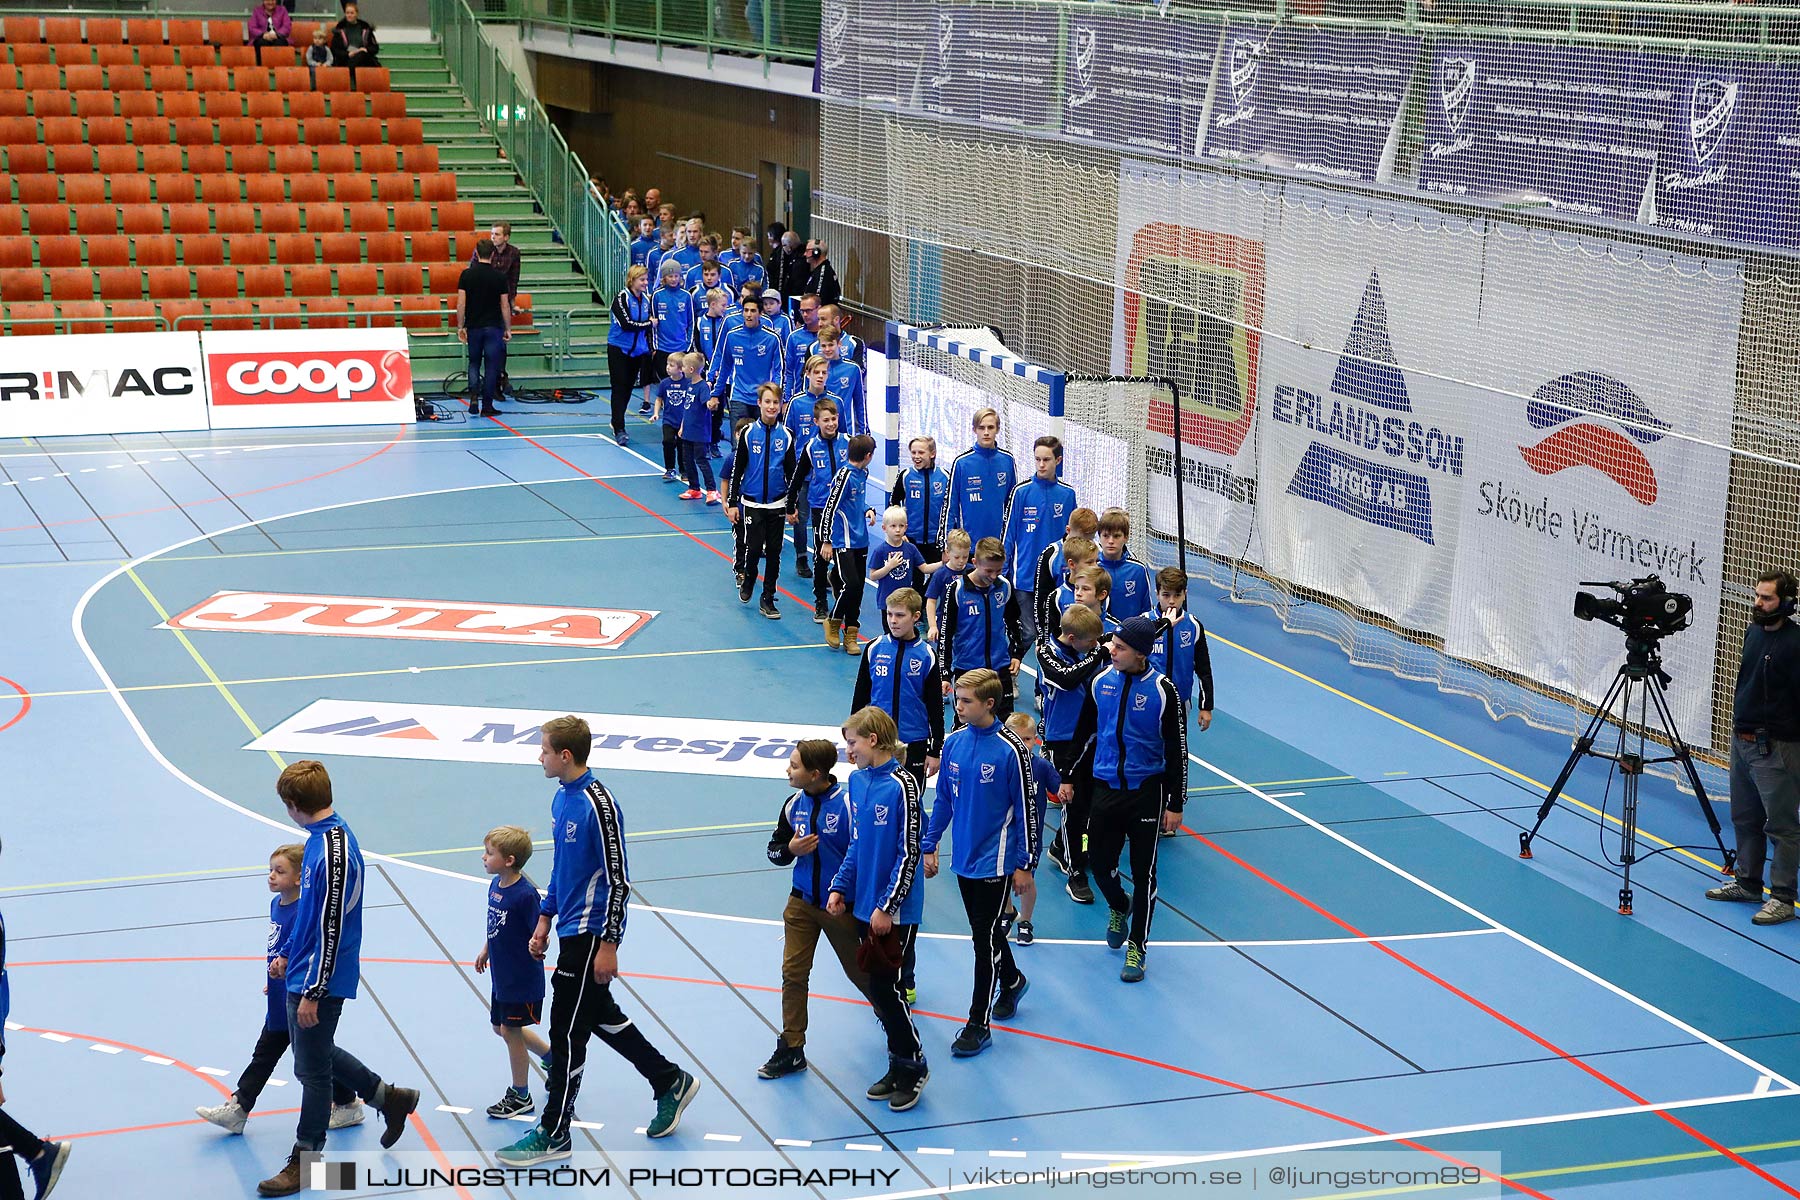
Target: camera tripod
{"x":1642,"y":679}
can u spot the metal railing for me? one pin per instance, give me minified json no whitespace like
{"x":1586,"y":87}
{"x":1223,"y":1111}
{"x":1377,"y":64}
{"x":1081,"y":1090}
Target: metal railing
{"x":535,"y":148}
{"x":772,"y":30}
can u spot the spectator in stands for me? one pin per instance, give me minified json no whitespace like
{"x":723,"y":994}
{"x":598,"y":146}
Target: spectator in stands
{"x":645,"y":242}
{"x":484,"y":323}
{"x":653,"y":201}
{"x":821,"y":276}
{"x":353,"y":41}
{"x":793,"y":266}
{"x":318,"y":54}
{"x":506,"y":256}
{"x":270,"y":25}
{"x":628,"y":345}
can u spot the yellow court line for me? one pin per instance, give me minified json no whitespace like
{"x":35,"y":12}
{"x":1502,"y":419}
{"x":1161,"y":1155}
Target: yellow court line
{"x":63,"y":883}
{"x":642,"y":833}
{"x":521,"y":662}
{"x":1268,"y":783}
{"x":204,"y":666}
{"x":1477,"y":756}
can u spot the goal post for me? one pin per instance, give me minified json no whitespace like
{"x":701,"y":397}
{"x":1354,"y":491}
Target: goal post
{"x":919,"y":356}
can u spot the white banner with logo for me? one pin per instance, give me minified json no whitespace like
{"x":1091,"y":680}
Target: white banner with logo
{"x":1592,"y":478}
{"x":1199,"y":238}
{"x":1362,"y":465}
{"x":273,"y":378}
{"x":622,"y":742}
{"x":101,"y":383}
{"x":560,"y":626}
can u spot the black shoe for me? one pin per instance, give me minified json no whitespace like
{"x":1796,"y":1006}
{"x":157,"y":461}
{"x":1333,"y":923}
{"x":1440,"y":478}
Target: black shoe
{"x":644,"y":410}
{"x":803,"y":568}
{"x":1057,"y":855}
{"x":906,"y":1092}
{"x":820,"y":612}
{"x":1008,"y":1003}
{"x":511,"y":1105}
{"x":769,"y":610}
{"x":746,"y":589}
{"x":490,"y":411}
{"x":886,"y":1086}
{"x":398,"y":1105}
{"x":787,"y":1060}
{"x":624,"y":438}
{"x":971,"y":1041}
{"x":1078,"y":888}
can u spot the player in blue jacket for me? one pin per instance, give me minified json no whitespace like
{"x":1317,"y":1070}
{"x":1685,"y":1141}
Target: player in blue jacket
{"x":1037,"y":516}
{"x":879,"y":882}
{"x":749,"y":357}
{"x":756,"y":491}
{"x":978,"y":623}
{"x":984,"y":803}
{"x":981,"y":480}
{"x":844,"y":383}
{"x":676,"y":310}
{"x":773,"y":319}
{"x":845,"y":545}
{"x":813,"y":834}
{"x":1067,"y":663}
{"x":1132,"y":718}
{"x":1053,"y":570}
{"x":644,"y":242}
{"x":324,"y":953}
{"x":921,"y":490}
{"x":802,"y":343}
{"x":823,"y":453}
{"x":1132,"y":591}
{"x":590,"y":885}
{"x":899,"y":675}
{"x":44,"y":1159}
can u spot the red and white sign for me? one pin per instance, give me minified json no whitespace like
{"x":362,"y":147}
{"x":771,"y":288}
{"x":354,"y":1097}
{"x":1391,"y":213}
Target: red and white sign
{"x":101,"y":383}
{"x":417,"y":620}
{"x":297,"y":377}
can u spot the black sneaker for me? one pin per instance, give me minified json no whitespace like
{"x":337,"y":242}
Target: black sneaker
{"x":1078,"y":888}
{"x":1026,"y":934}
{"x":746,"y":589}
{"x":1735,"y":891}
{"x":1008,"y":1003}
{"x":47,"y":1167}
{"x":906,"y":1092}
{"x":820,"y":612}
{"x":769,"y":610}
{"x":803,"y":568}
{"x":971,"y":1041}
{"x":511,"y":1105}
{"x":394,"y":1110}
{"x":1057,"y":855}
{"x":886,"y":1086}
{"x":787,"y":1060}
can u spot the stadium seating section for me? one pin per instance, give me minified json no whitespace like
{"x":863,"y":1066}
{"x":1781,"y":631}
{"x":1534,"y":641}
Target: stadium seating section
{"x":154,"y":167}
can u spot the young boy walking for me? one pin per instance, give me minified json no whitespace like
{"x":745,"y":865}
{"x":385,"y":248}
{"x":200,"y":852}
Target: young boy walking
{"x":953,"y":566}
{"x":899,"y":675}
{"x":1046,"y":784}
{"x":822,"y":455}
{"x":878,"y":882}
{"x":846,"y":528}
{"x":45,"y":1160}
{"x":1037,"y":516}
{"x":696,"y":431}
{"x":516,"y":1002}
{"x":983,"y":803}
{"x":324,"y":953}
{"x":979,"y":626}
{"x":272,"y":1043}
{"x":813,"y":833}
{"x":1067,"y":663}
{"x":921,"y":489}
{"x":1181,"y":652}
{"x":894,"y":562}
{"x":590,"y":885}
{"x":756,"y":492}
{"x":1131,"y":592}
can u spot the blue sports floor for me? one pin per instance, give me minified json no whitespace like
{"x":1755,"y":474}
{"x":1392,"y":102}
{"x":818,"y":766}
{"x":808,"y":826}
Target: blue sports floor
{"x":1348,"y":952}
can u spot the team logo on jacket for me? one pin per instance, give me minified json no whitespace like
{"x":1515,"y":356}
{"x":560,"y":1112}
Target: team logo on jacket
{"x":496,"y":922}
{"x":1138,"y":701}
{"x":569,"y":831}
{"x":831,"y":822}
{"x":987,"y":772}
{"x":881,"y":814}
{"x":914,"y":666}
{"x":274,"y":934}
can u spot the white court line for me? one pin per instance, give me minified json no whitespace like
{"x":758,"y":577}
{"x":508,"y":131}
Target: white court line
{"x":157,"y":1060}
{"x":58,"y":1037}
{"x":797,"y":1142}
{"x":456,"y":439}
{"x":102,"y":1048}
{"x":1411,"y":1135}
{"x":452,"y":1108}
{"x":213,"y":1071}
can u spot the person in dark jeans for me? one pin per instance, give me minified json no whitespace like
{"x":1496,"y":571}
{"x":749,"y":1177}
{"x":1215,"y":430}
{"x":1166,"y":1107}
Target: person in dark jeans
{"x":1765,"y":754}
{"x":484,"y":323}
{"x":628,"y":345}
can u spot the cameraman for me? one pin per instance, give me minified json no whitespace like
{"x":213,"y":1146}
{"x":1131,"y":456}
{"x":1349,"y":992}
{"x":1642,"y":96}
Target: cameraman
{"x":1765,"y":753}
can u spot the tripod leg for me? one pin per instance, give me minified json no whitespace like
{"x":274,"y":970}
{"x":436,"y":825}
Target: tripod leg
{"x":1686,"y":759}
{"x":1582,"y":745}
{"x":1631,"y":769}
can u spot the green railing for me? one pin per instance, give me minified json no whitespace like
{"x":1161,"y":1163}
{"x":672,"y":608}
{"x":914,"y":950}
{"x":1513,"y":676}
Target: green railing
{"x":772,"y":30}
{"x":533,"y":146}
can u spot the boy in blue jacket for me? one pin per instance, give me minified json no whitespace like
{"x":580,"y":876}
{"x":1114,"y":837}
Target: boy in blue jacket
{"x":981,"y":479}
{"x":346,"y":1109}
{"x":590,"y":885}
{"x":324,"y":952}
{"x":813,"y":833}
{"x":823,"y":451}
{"x":984,"y":802}
{"x":879,"y":882}
{"x":756,"y":492}
{"x":516,"y":1001}
{"x":1037,"y":515}
{"x":921,"y":490}
{"x":899,"y":675}
{"x":1067,"y":663}
{"x":1131,"y":587}
{"x":978,"y":623}
{"x":845,"y":544}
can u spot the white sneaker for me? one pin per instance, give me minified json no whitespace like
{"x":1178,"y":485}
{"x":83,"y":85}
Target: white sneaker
{"x":343,"y":1116}
{"x":227,"y":1116}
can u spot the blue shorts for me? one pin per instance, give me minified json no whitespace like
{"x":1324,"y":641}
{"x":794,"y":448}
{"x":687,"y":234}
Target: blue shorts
{"x":517,"y":1014}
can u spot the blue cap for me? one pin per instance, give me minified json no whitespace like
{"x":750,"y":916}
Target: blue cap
{"x":1139,"y":633}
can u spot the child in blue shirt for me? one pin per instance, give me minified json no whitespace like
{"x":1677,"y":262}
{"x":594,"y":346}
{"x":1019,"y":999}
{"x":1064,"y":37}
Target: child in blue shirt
{"x":697,"y":423}
{"x":737,"y":527}
{"x":954,"y":566}
{"x":894,"y":562}
{"x":272,"y":1043}
{"x":672,"y":401}
{"x":1046,"y":783}
{"x":517,"y":999}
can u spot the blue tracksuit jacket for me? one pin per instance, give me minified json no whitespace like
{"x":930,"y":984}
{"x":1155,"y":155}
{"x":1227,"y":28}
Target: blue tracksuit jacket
{"x":325,"y":946}
{"x":901,"y":679}
{"x":881,"y":868}
{"x":1037,"y":516}
{"x":826,"y":814}
{"x":984,"y":800}
{"x":980,"y":483}
{"x":589,"y":881}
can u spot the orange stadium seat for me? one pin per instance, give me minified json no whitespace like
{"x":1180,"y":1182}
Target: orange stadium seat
{"x":422,"y":312}
{"x":249,"y":160}
{"x":379,"y":310}
{"x":137,"y":105}
{"x":31,"y":159}
{"x":85,"y":316}
{"x":373,"y":79}
{"x":110,"y":250}
{"x":334,"y":160}
{"x":206,"y":160}
{"x":169,"y":283}
{"x":294,"y":79}
{"x":305,"y":105}
{"x":177,"y":105}
{"x":72,"y":158}
{"x":459,"y":216}
{"x":378,"y":159}
{"x":168,"y":79}
{"x":187,"y":33}
{"x":12,"y":216}
{"x":221,"y":189}
{"x":285,"y":219}
{"x":309,"y":281}
{"x":107,"y":131}
{"x":84,"y":77}
{"x":18,"y":130}
{"x":120,"y":283}
{"x":284,"y":309}
{"x":141,"y":219}
{"x":130,"y":189}
{"x":430,"y":247}
{"x":347,"y":105}
{"x":266,"y":106}
{"x":231,"y":314}
{"x":21,"y":285}
{"x":265,"y":281}
{"x":202,"y":250}
{"x":438,"y":187}
{"x":31,"y":55}
{"x":195,"y":131}
{"x":356,"y":280}
{"x":157,"y":251}
{"x":155,"y":56}
{"x":236,"y":218}
{"x":323,"y":131}
{"x":414,"y":218}
{"x":216,"y":283}
{"x":110,"y":56}
{"x":188,"y":218}
{"x":161,"y":160}
{"x":443,"y":277}
{"x":182,"y":314}
{"x":324,"y":218}
{"x":71,"y":283}
{"x":46,"y":219}
{"x":146,"y":131}
{"x":387,"y":105}
{"x":221,"y":105}
{"x":128,"y":79}
{"x":105,"y":31}
{"x":368,"y":218}
{"x":334,"y":79}
{"x":225,"y":33}
{"x":62,"y":29}
{"x":265,"y":189}
{"x":33,"y":320}
{"x":15,"y":252}
{"x":295,"y":250}
{"x":58,"y":252}
{"x":395,"y":188}
{"x":42,"y":76}
{"x":96,"y":102}
{"x":351,"y":188}
{"x":237,"y":58}
{"x":339,"y":247}
{"x":212,"y":79}
{"x":402,"y":279}
{"x":82,"y":190}
{"x":173,"y":188}
{"x":144,"y":31}
{"x":39,"y":189}
{"x":121,"y":161}
{"x":14,"y":103}
{"x":309,"y":189}
{"x":249,"y":249}
{"x":63,"y":131}
{"x":132,"y":316}
{"x":404,"y":131}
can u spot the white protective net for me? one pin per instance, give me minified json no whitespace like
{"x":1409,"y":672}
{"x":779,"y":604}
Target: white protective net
{"x":1440,"y":358}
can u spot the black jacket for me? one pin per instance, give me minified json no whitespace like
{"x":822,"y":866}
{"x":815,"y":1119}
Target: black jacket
{"x":1768,"y":683}
{"x":340,"y":44}
{"x":822,"y":282}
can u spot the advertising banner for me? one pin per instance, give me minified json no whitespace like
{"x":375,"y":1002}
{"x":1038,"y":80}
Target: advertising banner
{"x":998,"y":65}
{"x":1598,"y":476}
{"x":270,"y":378}
{"x":1137,"y":81}
{"x":551,"y":625}
{"x":1322,"y":101}
{"x":1360,"y":479}
{"x":101,"y":383}
{"x":1729,"y":166}
{"x":1575,"y":127}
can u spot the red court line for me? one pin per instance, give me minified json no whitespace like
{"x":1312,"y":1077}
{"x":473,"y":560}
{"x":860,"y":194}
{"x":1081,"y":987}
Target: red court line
{"x":105,"y":1041}
{"x":94,"y":1133}
{"x":1510,"y":1023}
{"x":399,"y":432}
{"x":688,"y":534}
{"x":1243,"y":1088}
{"x":24,"y":701}
{"x":418,"y":1123}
